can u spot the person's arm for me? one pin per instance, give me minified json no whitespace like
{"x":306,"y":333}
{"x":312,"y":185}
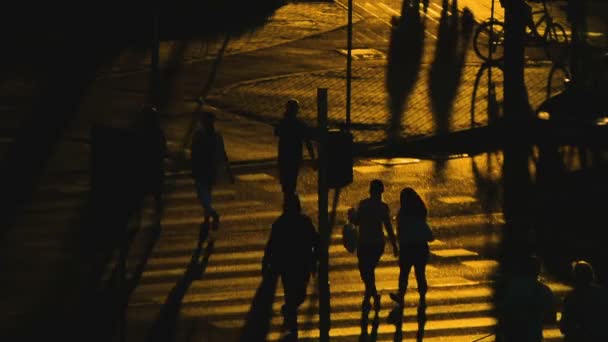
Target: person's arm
{"x":389,"y":230}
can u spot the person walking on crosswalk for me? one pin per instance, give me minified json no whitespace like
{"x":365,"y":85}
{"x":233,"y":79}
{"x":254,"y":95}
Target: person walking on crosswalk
{"x":291,"y":252}
{"x":292,"y":133}
{"x":371,"y":215}
{"x":208,"y":154}
{"x":413,"y":234}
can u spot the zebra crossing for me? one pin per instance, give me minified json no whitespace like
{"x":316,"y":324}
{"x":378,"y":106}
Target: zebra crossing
{"x":216,"y":288}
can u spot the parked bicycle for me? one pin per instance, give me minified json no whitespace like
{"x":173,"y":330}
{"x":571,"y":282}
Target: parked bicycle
{"x":488,"y":41}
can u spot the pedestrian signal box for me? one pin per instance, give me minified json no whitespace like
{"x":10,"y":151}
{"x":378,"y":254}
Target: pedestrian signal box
{"x":339,"y":158}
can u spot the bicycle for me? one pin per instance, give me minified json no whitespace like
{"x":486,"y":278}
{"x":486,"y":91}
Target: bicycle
{"x":488,"y":41}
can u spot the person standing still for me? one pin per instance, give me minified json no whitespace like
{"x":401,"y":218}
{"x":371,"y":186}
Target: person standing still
{"x":207,"y":155}
{"x":371,"y":215}
{"x":292,"y":133}
{"x":413,"y":234}
{"x":291,"y":252}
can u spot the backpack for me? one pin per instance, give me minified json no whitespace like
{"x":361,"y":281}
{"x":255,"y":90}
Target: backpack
{"x":350,"y":237}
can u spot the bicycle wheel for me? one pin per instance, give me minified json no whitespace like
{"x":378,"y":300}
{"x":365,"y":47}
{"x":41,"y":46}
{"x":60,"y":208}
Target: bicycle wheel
{"x":556,"y":82}
{"x":487,"y":98}
{"x":488,"y":41}
{"x":556,"y":41}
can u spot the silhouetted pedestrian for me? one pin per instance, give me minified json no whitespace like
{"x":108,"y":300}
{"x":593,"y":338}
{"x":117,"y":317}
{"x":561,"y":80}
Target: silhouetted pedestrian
{"x":413,"y":234}
{"x":208,"y":154}
{"x":525,"y":305}
{"x":150,"y":149}
{"x":372,"y":214}
{"x":292,"y":133}
{"x":583,"y":318}
{"x":291,"y":252}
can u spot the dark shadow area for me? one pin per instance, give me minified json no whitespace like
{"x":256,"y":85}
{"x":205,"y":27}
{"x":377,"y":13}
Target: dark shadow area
{"x":446,"y":69}
{"x":405,"y":51}
{"x":165,"y":327}
{"x":366,"y":335}
{"x":257,"y":322}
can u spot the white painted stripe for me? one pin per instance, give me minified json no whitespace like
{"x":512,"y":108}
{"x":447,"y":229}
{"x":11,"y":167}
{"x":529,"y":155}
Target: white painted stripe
{"x":365,"y":9}
{"x":451,"y":253}
{"x":356,"y":315}
{"x":254,"y":177}
{"x":432,"y":325}
{"x":457,"y":199}
{"x":481,"y":264}
{"x":388,"y":9}
{"x":191,"y":194}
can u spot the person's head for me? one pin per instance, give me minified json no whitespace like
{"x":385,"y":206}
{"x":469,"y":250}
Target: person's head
{"x":291,"y":204}
{"x":207,"y":120}
{"x":292,"y":107}
{"x":376,"y":188}
{"x":582,"y":271}
{"x":411,"y":203}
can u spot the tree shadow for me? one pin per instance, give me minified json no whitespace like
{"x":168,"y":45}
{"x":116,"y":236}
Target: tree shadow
{"x":372,"y":335}
{"x":405,"y":52}
{"x":165,"y":327}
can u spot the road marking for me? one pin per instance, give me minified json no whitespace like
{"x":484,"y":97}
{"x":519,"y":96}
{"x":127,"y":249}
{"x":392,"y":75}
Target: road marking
{"x":366,"y":10}
{"x":485,"y":265}
{"x":452,"y":253}
{"x":388,"y":9}
{"x":370,"y":168}
{"x":395,"y":161}
{"x":457,"y":199}
{"x":251,"y":177}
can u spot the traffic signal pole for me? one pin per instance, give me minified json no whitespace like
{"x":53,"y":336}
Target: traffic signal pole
{"x":324,"y":231}
{"x":349,"y":58}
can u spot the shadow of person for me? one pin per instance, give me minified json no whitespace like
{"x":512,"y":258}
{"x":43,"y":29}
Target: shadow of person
{"x":446,"y":69}
{"x":372,"y":336}
{"x":257,"y":322}
{"x":405,"y":52}
{"x":421,"y":319}
{"x":395,"y":317}
{"x":165,"y":327}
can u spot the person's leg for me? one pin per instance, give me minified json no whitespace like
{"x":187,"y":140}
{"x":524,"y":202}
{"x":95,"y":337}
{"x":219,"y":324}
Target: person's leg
{"x":366,"y":272}
{"x":204,"y":195}
{"x":405,"y":265}
{"x":294,"y":286}
{"x":420,"y":272}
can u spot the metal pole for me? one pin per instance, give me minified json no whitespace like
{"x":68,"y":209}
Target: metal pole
{"x":324,"y":319}
{"x":349,"y":48}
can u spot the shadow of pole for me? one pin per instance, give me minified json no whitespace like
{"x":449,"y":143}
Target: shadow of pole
{"x":404,"y":57}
